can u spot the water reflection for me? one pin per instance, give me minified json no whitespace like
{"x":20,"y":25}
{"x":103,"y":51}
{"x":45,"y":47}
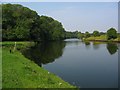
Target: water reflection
{"x":44,"y":53}
{"x":96,"y":45}
{"x":87,"y":45}
{"x":112,"y":48}
{"x":80,"y":62}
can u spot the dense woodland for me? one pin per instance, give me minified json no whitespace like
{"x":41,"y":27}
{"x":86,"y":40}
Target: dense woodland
{"x":20,"y":23}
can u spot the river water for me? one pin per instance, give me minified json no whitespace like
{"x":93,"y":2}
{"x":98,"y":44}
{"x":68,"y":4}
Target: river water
{"x":84,"y":64}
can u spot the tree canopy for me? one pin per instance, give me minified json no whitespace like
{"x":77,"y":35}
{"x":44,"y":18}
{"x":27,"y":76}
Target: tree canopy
{"x":96,"y":33}
{"x":87,"y":34}
{"x":22,"y":23}
{"x":111,"y":34}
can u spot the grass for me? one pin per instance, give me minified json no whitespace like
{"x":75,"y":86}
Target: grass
{"x":19,"y":72}
{"x":0,"y":67}
{"x":101,"y":38}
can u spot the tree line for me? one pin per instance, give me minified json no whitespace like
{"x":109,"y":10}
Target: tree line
{"x":20,"y":23}
{"x":110,"y":34}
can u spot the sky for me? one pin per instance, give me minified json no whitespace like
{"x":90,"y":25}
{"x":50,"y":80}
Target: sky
{"x":80,"y":16}
{"x":60,"y":0}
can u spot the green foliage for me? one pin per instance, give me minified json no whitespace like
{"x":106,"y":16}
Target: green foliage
{"x":52,"y":29}
{"x":71,"y":34}
{"x":98,"y":38}
{"x":21,"y":23}
{"x":96,"y":33}
{"x":17,"y":22}
{"x":87,"y":34}
{"x":80,"y":35}
{"x":111,"y":34}
{"x":102,"y":33}
{"x":19,"y":72}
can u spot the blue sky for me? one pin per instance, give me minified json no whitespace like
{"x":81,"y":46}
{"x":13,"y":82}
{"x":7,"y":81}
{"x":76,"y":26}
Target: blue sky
{"x":81,"y":16}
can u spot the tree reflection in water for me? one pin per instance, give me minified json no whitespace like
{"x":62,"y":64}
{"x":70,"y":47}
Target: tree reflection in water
{"x":112,"y":48}
{"x":87,"y":45}
{"x":44,"y":53}
{"x":96,"y":45}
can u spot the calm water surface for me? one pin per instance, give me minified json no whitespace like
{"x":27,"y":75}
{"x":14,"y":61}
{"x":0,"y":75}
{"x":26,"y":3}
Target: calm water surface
{"x":84,"y":64}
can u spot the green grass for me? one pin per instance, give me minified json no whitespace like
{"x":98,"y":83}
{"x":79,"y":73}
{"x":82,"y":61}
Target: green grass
{"x":20,"y":45}
{"x":19,"y":72}
{"x":0,"y":67}
{"x":101,"y":38}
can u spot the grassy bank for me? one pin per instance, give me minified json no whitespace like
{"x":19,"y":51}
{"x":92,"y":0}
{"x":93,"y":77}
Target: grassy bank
{"x":0,"y":67}
{"x":102,"y":38}
{"x":19,"y":72}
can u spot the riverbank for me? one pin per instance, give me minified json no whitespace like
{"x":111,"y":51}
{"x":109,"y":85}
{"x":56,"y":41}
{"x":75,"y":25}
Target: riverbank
{"x":20,"y":72}
{"x":102,"y":38}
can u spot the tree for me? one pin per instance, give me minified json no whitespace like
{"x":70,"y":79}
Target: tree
{"x":52,"y":29}
{"x":96,"y":33}
{"x":111,"y":34}
{"x":69,"y":34}
{"x":87,"y":34}
{"x":17,"y":22}
{"x":22,"y":23}
{"x":102,"y":33}
{"x":80,"y":35}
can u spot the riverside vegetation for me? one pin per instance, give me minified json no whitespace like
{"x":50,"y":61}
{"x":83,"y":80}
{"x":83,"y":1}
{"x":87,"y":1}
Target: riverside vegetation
{"x":20,"y":23}
{"x":19,"y":72}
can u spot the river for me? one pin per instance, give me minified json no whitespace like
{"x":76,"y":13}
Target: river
{"x":84,"y":64}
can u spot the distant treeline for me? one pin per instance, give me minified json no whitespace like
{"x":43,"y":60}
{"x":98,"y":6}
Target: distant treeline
{"x":21,"y":23}
{"x":110,"y":35}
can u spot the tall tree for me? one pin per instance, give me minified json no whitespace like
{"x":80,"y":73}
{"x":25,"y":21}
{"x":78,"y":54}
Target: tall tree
{"x":17,"y":21}
{"x":87,"y":34}
{"x":96,"y":33}
{"x":111,"y":34}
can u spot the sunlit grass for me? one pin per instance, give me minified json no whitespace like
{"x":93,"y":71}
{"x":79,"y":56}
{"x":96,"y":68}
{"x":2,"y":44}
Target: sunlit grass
{"x":0,"y":67}
{"x":19,"y":72}
{"x":101,"y":38}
